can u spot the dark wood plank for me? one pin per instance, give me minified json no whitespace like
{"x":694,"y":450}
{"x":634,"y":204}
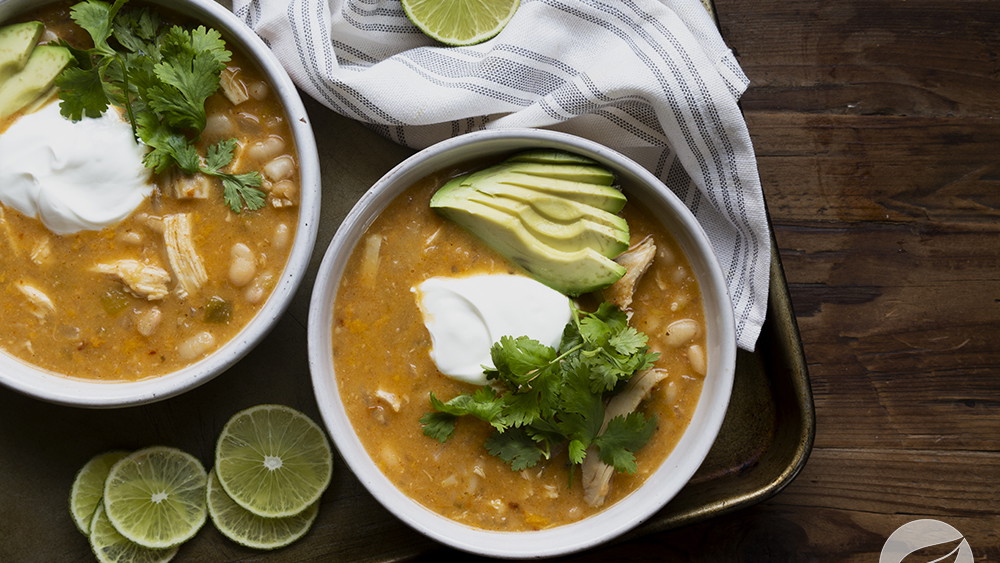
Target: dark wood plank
{"x":877,"y":142}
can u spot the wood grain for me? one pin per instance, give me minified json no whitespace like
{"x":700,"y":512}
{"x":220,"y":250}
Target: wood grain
{"x":878,"y":141}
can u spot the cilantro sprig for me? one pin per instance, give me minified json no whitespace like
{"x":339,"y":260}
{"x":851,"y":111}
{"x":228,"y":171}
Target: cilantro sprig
{"x":542,"y":399}
{"x":161,"y":75}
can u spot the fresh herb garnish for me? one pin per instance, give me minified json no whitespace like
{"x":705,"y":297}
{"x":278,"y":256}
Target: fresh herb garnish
{"x":542,"y":398}
{"x":161,"y":75}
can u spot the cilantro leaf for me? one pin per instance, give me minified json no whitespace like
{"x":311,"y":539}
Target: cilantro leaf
{"x":220,"y":154}
{"x":82,"y":93}
{"x":95,"y":17}
{"x":628,"y":341}
{"x":241,"y":190}
{"x":622,"y":438}
{"x":483,"y":404}
{"x":520,"y":358}
{"x":516,"y":448}
{"x":138,"y":31}
{"x":438,"y":425}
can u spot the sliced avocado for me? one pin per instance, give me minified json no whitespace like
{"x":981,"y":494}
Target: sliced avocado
{"x":572,"y":273}
{"x":570,"y":171}
{"x":16,"y":43}
{"x":499,"y":179}
{"x":561,"y":230}
{"x":34,"y":80}
{"x":566,"y":237}
{"x":547,"y":156}
{"x":554,"y":207}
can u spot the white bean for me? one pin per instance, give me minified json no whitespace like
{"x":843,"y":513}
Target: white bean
{"x":681,"y":332}
{"x":196,"y":346}
{"x":266,"y":149}
{"x":670,"y":392}
{"x":280,"y":168}
{"x":248,"y":121}
{"x":242,"y":265}
{"x":218,"y":126}
{"x":696,"y":357}
{"x":256,"y":291}
{"x":258,"y":90}
{"x":285,"y":189}
{"x":148,"y":321}
{"x":282,"y":236}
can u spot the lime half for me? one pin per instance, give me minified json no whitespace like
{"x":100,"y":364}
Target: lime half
{"x":460,"y":22}
{"x":111,"y":547}
{"x":88,"y":488}
{"x":156,"y":496}
{"x":273,"y":460}
{"x":246,"y":528}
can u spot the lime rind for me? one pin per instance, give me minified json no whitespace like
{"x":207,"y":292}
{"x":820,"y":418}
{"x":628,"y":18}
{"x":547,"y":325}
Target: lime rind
{"x":460,"y":22}
{"x":109,"y":546}
{"x":250,"y":530}
{"x":88,"y":488}
{"x":273,"y":461}
{"x":155,"y":497}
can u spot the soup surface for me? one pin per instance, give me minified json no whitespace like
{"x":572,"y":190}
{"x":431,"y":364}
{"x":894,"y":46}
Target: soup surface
{"x":76,"y":305}
{"x":381,"y":353}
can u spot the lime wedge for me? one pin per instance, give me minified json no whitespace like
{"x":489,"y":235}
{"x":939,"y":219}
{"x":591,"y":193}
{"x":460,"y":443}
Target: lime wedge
{"x":156,"y":496}
{"x":111,"y":547}
{"x":273,"y":460}
{"x":246,"y":528}
{"x":460,"y":22}
{"x":88,"y":488}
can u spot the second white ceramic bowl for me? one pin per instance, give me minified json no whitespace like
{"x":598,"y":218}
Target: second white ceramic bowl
{"x":88,"y":393}
{"x":662,"y":485}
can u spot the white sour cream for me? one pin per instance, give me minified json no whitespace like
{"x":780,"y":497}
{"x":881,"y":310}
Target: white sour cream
{"x":73,"y":176}
{"x":465,"y":316}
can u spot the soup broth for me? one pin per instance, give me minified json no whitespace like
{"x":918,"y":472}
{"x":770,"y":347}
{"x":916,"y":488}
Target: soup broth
{"x":384,"y":371}
{"x":93,"y":323}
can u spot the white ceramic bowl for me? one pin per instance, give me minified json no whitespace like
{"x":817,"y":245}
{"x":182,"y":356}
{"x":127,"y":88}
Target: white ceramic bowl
{"x":662,"y":485}
{"x":45,"y":385}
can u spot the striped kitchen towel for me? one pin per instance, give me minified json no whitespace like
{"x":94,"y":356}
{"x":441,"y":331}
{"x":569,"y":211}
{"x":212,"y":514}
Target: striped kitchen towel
{"x":652,"y":79}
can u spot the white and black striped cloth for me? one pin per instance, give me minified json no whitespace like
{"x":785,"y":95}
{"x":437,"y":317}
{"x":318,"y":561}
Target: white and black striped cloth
{"x":652,"y":79}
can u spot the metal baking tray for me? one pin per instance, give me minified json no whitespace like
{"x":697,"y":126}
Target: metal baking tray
{"x":764,"y":441}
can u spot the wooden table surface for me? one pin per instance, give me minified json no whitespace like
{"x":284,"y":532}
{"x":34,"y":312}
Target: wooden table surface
{"x":877,"y":132}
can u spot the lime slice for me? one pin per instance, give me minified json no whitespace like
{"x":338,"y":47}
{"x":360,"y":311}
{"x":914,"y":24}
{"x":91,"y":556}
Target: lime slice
{"x":246,"y":528}
{"x":273,"y":460}
{"x":156,"y":496}
{"x":111,"y":547}
{"x":460,"y":22}
{"x":88,"y":488}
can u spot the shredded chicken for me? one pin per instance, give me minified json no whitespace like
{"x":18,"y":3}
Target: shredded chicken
{"x":370,"y":258}
{"x":390,"y":399}
{"x":142,"y":280}
{"x":190,"y":186}
{"x":41,"y":252}
{"x":596,"y":474}
{"x":184,"y":259}
{"x":232,"y":87}
{"x":41,"y":304}
{"x":636,"y":261}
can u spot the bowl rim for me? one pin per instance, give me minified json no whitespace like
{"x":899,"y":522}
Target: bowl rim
{"x":616,"y":519}
{"x":71,"y":391}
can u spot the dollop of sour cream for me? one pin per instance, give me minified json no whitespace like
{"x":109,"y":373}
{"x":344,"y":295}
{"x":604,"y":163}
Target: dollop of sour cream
{"x":465,"y":316}
{"x":73,"y":176}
